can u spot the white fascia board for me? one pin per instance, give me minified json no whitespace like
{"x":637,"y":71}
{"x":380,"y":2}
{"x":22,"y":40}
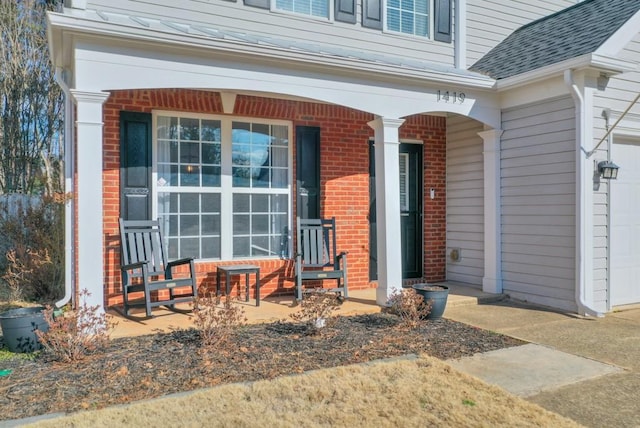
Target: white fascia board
{"x":79,"y":25}
{"x":54,"y":36}
{"x":603,"y":63}
{"x":614,"y":44}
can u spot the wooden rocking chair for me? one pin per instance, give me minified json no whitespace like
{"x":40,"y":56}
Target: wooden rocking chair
{"x":144,"y":268}
{"x":316,"y":257}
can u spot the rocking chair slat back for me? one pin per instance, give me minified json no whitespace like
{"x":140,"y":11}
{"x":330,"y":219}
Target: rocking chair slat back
{"x":317,"y":257}
{"x":316,"y":238}
{"x":143,"y":244}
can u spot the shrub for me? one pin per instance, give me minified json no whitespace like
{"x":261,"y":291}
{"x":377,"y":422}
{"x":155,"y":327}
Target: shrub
{"x":33,"y":241}
{"x":22,"y":268}
{"x":317,"y":310}
{"x":216,"y":320}
{"x":75,"y":333}
{"x":409,"y":306}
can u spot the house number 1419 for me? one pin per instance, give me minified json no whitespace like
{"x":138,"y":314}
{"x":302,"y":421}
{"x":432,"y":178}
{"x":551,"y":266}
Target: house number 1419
{"x":451,"y":97}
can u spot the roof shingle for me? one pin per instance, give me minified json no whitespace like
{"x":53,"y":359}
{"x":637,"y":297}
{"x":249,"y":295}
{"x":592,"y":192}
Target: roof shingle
{"x":569,"y":33}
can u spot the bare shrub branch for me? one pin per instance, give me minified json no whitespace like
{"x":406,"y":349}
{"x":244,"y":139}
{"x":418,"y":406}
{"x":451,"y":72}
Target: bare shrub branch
{"x":216,"y":321}
{"x":409,"y":306}
{"x":77,"y":332}
{"x":317,"y":310}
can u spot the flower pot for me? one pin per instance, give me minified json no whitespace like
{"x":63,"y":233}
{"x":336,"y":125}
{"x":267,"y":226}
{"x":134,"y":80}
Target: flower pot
{"x":437,"y":294}
{"x":19,"y":326}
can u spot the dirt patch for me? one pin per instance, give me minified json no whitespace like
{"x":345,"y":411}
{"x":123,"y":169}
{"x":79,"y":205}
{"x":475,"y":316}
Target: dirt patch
{"x":149,"y":366}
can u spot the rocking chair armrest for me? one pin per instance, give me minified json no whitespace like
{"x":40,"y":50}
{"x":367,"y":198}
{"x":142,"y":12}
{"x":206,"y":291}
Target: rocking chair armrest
{"x":179,"y":262}
{"x":136,"y":265}
{"x":342,"y":256}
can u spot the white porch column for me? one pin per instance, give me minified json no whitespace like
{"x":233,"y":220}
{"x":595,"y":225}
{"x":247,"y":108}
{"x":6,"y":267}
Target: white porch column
{"x":386,"y":149}
{"x":492,"y":280}
{"x":90,"y":265}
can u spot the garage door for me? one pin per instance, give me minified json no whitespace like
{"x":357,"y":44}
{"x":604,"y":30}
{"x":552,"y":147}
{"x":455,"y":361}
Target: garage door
{"x":625,"y":224}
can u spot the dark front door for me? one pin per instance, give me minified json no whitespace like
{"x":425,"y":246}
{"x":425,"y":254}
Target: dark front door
{"x":410,"y":211}
{"x":308,"y":171}
{"x":135,"y":166}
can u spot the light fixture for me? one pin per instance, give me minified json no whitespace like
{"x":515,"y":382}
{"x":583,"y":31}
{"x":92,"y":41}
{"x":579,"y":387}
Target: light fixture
{"x":608,"y":170}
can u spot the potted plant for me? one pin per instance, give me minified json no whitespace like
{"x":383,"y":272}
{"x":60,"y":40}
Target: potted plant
{"x":436,"y":294}
{"x":19,"y":327}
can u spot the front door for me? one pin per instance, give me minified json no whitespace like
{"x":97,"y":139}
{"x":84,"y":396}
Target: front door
{"x":411,"y":202}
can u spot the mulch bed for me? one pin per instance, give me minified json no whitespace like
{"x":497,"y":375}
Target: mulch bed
{"x":149,"y":366}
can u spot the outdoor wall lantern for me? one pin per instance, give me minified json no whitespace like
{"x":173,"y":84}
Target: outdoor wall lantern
{"x":608,"y":170}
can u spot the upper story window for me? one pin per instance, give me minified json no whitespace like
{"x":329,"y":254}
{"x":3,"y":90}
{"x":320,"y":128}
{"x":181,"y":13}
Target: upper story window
{"x":409,"y":16}
{"x":319,"y":8}
{"x":424,"y":18}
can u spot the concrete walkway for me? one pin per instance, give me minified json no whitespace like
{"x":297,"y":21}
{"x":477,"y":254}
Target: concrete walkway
{"x":586,"y":369}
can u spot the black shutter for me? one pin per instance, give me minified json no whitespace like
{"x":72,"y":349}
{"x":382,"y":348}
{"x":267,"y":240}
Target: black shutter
{"x":264,"y":4}
{"x":372,"y":14}
{"x":442,"y":30}
{"x":345,"y":11}
{"x":135,"y":166}
{"x":308,"y":171}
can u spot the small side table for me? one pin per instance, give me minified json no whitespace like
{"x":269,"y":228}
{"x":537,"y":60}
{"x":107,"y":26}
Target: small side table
{"x":228,"y":271}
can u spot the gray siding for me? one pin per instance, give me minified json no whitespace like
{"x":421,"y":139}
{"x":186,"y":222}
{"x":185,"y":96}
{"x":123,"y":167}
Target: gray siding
{"x":620,"y":91}
{"x":491,"y":21}
{"x":235,"y":16}
{"x":538,"y":203}
{"x":465,"y":199}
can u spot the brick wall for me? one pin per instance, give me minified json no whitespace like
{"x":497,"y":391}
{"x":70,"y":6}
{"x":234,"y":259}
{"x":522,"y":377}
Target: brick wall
{"x":344,"y":178}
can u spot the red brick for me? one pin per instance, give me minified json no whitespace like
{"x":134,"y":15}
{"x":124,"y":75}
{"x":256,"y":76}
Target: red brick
{"x":344,"y":176}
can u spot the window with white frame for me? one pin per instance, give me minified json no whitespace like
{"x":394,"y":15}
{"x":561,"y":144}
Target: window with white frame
{"x":223,"y":186}
{"x":318,"y":8}
{"x":409,"y":16}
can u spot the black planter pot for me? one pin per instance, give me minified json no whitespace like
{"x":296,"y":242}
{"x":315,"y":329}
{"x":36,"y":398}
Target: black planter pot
{"x":19,"y":326}
{"x":437,"y":294}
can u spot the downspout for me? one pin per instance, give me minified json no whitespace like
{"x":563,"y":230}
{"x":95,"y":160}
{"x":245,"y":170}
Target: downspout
{"x":581,"y":262}
{"x":69,"y":273}
{"x":606,"y":114}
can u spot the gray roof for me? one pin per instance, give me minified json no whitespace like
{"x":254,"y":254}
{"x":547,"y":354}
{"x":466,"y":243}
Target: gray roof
{"x":572,"y":32}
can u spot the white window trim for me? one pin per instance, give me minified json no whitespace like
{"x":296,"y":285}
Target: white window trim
{"x":431,"y":18}
{"x":226,"y":188}
{"x":274,"y":9}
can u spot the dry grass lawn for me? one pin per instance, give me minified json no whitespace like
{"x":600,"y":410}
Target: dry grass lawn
{"x":422,"y":392}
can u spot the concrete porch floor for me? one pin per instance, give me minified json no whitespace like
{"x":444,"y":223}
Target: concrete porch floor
{"x":279,"y":308}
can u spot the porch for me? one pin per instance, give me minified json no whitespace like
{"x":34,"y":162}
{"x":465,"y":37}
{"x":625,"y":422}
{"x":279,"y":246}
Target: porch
{"x":279,"y":308}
